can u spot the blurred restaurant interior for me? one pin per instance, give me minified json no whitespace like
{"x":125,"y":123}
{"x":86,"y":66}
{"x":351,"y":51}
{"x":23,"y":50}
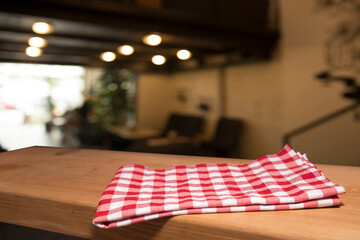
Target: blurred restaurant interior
{"x":224,"y":78}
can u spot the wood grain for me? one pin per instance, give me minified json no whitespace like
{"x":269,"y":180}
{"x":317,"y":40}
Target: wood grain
{"x":57,"y":189}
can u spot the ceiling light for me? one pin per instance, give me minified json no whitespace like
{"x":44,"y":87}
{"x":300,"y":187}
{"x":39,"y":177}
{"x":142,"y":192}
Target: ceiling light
{"x":158,"y":60}
{"x":108,"y":56}
{"x":152,"y":39}
{"x":41,"y":28}
{"x":37,"y":42}
{"x":33,"y":51}
{"x":183,"y":54}
{"x":126,"y":50}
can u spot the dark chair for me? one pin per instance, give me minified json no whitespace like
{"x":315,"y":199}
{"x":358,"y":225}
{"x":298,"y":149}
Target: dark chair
{"x":183,"y":125}
{"x":173,"y":124}
{"x":226,"y":138}
{"x":191,"y":126}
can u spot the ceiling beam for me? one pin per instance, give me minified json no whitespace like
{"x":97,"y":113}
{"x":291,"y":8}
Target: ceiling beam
{"x":71,"y":51}
{"x":85,"y":28}
{"x":75,"y":12}
{"x":171,"y":43}
{"x":172,"y":15}
{"x":93,"y":43}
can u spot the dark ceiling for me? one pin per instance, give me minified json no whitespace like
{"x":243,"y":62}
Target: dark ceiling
{"x":217,"y":32}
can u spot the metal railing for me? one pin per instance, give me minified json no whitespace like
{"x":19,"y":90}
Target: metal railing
{"x":313,"y":124}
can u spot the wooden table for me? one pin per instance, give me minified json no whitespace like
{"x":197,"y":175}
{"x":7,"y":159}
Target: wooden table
{"x":57,"y":189}
{"x":132,"y":133}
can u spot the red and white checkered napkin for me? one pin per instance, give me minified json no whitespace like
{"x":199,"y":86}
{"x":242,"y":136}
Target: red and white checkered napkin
{"x":286,"y":180}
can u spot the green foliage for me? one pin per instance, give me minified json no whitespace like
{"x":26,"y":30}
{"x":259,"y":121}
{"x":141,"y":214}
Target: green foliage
{"x":112,"y":104}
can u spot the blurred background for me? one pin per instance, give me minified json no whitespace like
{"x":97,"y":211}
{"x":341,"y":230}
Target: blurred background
{"x":225,"y":78}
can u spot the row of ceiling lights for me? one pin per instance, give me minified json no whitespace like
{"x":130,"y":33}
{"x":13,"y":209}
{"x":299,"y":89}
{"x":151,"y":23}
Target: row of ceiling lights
{"x":36,"y":43}
{"x":151,"y":40}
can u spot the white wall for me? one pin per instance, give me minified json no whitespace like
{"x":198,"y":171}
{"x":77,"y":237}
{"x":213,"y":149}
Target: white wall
{"x":254,"y":95}
{"x":200,"y":86}
{"x":275,"y":97}
{"x":157,"y":97}
{"x":153,"y":100}
{"x":305,"y":31}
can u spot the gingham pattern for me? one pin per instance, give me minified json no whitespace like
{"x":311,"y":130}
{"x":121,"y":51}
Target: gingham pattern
{"x":286,"y":180}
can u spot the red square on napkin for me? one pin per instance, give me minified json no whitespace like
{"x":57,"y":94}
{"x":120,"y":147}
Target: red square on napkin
{"x":286,"y":180}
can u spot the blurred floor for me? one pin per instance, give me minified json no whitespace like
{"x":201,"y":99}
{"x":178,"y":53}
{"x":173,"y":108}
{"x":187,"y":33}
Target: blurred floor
{"x":25,"y":135}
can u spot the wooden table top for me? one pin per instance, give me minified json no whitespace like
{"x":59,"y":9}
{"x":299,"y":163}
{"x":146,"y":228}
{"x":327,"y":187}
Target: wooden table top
{"x":132,"y":133}
{"x":57,"y":189}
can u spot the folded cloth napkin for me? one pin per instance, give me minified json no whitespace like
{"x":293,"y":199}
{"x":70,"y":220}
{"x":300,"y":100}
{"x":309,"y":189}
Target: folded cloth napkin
{"x":286,"y":180}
